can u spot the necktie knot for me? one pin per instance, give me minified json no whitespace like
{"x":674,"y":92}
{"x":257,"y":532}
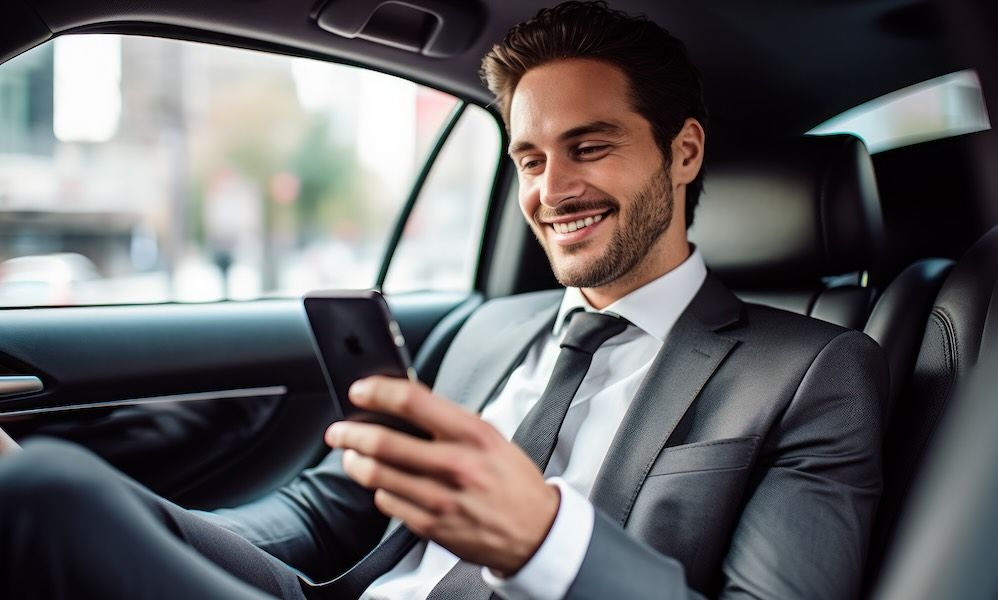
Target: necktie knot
{"x":587,"y":331}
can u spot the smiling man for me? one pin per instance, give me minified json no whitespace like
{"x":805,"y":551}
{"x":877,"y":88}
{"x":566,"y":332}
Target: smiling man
{"x":769,"y":486}
{"x":640,"y":434}
{"x":596,"y":188}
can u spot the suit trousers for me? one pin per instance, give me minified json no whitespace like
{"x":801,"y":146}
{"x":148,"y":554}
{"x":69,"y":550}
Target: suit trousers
{"x":71,"y":526}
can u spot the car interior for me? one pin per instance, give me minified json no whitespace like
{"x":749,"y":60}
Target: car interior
{"x":213,"y":404}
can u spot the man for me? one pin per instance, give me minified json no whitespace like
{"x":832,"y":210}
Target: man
{"x":681,"y":444}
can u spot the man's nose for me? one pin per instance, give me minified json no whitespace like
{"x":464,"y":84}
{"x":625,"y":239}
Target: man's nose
{"x":562,"y":181}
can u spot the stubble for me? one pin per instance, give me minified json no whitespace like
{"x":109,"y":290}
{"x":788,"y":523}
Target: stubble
{"x":640,"y":224}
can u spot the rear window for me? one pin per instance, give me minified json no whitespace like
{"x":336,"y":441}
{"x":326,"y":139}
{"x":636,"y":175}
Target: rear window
{"x":942,"y":107}
{"x":137,"y":169}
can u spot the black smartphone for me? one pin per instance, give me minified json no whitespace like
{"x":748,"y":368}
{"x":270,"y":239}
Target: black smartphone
{"x":355,"y":336}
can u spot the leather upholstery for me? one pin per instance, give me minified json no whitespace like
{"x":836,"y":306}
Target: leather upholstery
{"x":847,"y":306}
{"x":899,"y":318}
{"x":950,"y":347}
{"x":963,"y":302}
{"x":989,"y":341}
{"x":774,"y":225}
{"x":784,"y":217}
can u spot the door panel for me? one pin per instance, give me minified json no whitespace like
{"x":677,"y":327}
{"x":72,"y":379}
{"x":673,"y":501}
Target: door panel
{"x":238,"y":403}
{"x":102,"y":354}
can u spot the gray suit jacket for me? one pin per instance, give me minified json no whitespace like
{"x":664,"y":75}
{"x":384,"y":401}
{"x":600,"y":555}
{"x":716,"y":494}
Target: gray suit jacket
{"x":747,"y":465}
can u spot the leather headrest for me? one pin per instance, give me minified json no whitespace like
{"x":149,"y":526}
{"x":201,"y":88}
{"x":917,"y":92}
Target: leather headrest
{"x":791,"y":215}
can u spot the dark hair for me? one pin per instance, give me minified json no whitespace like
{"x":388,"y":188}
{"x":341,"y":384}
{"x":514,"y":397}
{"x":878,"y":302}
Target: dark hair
{"x":665,"y":85}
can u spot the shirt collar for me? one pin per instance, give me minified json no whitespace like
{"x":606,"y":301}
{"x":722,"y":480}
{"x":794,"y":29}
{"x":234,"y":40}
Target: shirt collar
{"x":654,"y":307}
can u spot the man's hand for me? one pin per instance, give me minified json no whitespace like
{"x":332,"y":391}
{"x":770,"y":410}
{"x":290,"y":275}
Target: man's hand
{"x":7,"y":444}
{"x":468,"y":489}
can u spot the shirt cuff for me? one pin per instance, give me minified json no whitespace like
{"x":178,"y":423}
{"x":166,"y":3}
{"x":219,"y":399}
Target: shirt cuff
{"x":552,"y":569}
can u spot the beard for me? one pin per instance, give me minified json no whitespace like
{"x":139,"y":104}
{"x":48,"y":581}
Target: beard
{"x":646,"y":218}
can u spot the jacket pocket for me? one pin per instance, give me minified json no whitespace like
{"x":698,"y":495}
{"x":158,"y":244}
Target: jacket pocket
{"x":713,"y":455}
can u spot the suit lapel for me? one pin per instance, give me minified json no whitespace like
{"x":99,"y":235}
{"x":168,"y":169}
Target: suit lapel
{"x":510,"y":345}
{"x":689,"y":357}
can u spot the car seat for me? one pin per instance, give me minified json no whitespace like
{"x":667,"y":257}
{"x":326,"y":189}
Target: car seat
{"x":950,"y":347}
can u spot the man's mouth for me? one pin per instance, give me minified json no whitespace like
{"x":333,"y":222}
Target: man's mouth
{"x":570,"y":226}
{"x":569,"y":230}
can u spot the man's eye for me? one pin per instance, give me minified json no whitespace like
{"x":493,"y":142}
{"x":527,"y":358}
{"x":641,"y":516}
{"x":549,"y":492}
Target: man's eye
{"x":530,"y":164}
{"x":589,"y":151}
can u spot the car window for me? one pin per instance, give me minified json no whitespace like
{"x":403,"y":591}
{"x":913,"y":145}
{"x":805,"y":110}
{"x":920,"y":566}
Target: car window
{"x":441,"y":241}
{"x":137,"y":169}
{"x":942,"y":107}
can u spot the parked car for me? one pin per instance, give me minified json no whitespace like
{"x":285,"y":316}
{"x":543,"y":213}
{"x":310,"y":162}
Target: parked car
{"x":44,"y":280}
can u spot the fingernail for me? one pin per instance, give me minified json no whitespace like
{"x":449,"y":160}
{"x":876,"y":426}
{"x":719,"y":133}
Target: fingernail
{"x":333,"y":434}
{"x":360,"y":389}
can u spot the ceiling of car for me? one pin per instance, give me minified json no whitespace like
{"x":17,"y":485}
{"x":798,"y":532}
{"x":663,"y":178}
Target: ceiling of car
{"x":770,"y":67}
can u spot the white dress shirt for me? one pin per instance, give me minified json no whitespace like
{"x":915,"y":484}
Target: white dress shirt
{"x":617,"y":369}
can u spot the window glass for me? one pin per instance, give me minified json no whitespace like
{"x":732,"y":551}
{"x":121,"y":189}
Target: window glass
{"x":441,"y":241}
{"x":137,"y":169}
{"x":938,"y":108}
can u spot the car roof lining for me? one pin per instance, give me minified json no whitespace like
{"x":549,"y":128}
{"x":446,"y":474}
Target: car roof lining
{"x":772,"y":69}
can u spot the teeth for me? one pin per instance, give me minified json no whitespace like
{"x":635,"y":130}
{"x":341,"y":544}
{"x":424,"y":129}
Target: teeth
{"x":576,"y":225}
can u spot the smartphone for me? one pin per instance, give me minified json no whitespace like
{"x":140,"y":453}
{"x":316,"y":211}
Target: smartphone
{"x":355,"y":336}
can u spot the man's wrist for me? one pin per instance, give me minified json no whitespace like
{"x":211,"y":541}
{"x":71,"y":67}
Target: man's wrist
{"x":532,"y":548}
{"x":554,"y":566}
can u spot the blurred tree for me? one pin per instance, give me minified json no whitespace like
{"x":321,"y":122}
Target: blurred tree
{"x":328,"y":179}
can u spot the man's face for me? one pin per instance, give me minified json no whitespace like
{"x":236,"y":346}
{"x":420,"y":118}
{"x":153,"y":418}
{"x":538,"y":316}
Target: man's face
{"x":593,"y":184}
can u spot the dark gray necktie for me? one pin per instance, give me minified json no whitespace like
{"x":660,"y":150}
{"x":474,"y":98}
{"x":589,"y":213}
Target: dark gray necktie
{"x":538,"y":433}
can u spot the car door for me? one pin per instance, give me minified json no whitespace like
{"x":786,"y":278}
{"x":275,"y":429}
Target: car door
{"x":166,"y":203}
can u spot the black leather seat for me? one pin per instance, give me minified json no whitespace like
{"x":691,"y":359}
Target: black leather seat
{"x":796,"y":227}
{"x":899,"y":317}
{"x":950,"y":347}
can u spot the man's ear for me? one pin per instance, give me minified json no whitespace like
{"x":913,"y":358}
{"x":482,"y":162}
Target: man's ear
{"x":687,"y":152}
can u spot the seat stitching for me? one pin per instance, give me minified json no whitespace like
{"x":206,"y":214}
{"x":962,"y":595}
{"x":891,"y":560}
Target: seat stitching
{"x":950,"y":336}
{"x":940,"y":318}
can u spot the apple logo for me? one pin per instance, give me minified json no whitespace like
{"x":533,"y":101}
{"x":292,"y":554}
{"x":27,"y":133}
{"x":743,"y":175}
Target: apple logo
{"x":353,"y":344}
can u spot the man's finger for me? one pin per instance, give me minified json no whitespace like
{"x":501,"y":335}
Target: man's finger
{"x":392,"y":447}
{"x":414,"y":517}
{"x":415,"y":403}
{"x":429,"y":495}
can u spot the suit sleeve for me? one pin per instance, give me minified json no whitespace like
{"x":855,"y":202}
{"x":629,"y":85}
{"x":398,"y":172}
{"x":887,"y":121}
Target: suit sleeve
{"x":321,"y":523}
{"x":619,"y":566}
{"x":809,"y":507}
